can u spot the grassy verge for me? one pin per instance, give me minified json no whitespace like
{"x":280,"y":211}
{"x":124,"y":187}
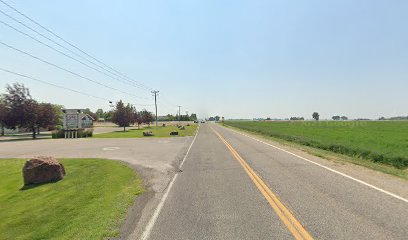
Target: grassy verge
{"x":89,"y":203}
{"x":332,"y":156}
{"x":158,"y":132}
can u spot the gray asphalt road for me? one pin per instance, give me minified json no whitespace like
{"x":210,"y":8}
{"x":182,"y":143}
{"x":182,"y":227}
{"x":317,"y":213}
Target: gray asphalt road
{"x":216,"y":197}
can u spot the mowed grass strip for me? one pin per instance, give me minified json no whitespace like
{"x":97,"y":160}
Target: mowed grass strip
{"x":383,"y":142}
{"x":158,"y":132}
{"x":89,"y":203}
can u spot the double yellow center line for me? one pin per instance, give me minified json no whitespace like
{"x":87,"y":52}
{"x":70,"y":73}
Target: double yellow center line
{"x":297,"y":230}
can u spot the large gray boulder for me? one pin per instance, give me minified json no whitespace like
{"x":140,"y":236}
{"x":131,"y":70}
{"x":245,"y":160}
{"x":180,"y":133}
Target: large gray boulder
{"x":42,"y":170}
{"x":148,"y":133}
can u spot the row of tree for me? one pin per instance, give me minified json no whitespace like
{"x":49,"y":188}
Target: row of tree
{"x":170,"y":117}
{"x":316,"y":117}
{"x":19,"y":110}
{"x":337,"y":118}
{"x":297,"y":118}
{"x":126,"y":115}
{"x":216,"y":118}
{"x":100,"y":114}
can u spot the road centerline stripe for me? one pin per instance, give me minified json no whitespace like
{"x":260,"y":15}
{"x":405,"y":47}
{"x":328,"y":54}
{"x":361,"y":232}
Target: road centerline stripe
{"x":293,"y":225}
{"x":325,"y":167}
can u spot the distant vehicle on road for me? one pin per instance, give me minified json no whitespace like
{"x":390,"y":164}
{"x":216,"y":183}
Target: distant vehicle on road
{"x":202,"y":121}
{"x":196,"y":121}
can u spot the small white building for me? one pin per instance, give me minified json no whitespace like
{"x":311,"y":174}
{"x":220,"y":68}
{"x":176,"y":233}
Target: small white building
{"x":86,"y":121}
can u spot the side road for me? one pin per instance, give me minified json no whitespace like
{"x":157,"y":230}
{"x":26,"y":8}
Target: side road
{"x":155,"y":159}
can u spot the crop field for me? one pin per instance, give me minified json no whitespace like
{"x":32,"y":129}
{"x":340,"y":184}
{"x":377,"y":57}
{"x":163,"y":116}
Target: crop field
{"x":379,"y":141}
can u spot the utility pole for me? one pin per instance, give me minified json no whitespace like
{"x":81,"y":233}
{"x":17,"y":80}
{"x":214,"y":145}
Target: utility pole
{"x":155,"y":92}
{"x":179,"y":112}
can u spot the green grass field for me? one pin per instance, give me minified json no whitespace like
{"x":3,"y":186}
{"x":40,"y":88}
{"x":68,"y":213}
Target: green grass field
{"x":383,"y":142}
{"x":158,"y":132}
{"x":89,"y":203}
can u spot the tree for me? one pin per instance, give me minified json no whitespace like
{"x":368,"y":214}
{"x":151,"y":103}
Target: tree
{"x":184,"y":118}
{"x":15,"y":98}
{"x":336,"y":118}
{"x":3,"y":115}
{"x":58,"y":111}
{"x":123,"y":115}
{"x":344,"y":118}
{"x":138,"y":119}
{"x":171,"y":117}
{"x":193,"y":117}
{"x":108,"y":115}
{"x":99,"y":114}
{"x":25,"y":112}
{"x":316,"y":116}
{"x":133,"y":114}
{"x":146,"y":117}
{"x":32,"y":112}
{"x":90,"y":113}
{"x":48,"y":117}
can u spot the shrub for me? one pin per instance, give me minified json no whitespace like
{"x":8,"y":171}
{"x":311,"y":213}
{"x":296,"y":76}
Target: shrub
{"x":85,"y":133}
{"x":57,"y":134}
{"x":81,"y":133}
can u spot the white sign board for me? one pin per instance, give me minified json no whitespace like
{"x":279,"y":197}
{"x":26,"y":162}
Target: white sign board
{"x":75,"y":119}
{"x":71,"y":120}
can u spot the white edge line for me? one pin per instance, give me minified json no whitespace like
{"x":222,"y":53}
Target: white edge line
{"x":153,"y":219}
{"x":327,"y":168}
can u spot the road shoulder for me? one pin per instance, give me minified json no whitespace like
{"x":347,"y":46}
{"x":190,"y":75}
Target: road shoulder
{"x":336,"y":162}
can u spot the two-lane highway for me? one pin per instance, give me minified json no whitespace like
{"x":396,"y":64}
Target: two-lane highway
{"x":234,"y":187}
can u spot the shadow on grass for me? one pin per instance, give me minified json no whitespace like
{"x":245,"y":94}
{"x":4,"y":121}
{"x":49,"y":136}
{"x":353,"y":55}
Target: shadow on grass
{"x":23,"y":139}
{"x":31,"y":186}
{"x":130,"y":130}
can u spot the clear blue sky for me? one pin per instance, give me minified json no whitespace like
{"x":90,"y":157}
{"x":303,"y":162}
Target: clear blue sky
{"x":238,"y":59}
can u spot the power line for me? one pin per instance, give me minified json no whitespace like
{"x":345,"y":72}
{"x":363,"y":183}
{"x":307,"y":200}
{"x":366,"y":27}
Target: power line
{"x":62,"y":87}
{"x":92,"y":60}
{"x":168,"y":102}
{"x":66,"y":70}
{"x":51,"y":47}
{"x":72,"y":45}
{"x":51,"y":84}
{"x":69,"y":50}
